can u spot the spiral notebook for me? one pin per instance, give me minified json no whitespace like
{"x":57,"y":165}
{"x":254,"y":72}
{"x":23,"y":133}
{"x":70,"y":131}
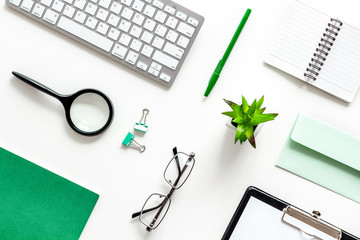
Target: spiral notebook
{"x":319,"y":49}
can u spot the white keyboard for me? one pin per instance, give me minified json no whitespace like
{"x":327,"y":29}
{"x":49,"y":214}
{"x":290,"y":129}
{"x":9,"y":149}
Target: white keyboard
{"x":151,"y":37}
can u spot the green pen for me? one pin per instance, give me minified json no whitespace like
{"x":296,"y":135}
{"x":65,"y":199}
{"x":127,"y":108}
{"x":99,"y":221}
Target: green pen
{"x":216,"y":73}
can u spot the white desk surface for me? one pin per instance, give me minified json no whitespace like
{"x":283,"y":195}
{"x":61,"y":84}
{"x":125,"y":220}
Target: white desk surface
{"x":33,"y":124}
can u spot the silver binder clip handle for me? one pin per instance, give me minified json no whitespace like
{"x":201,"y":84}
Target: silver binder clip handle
{"x":310,"y":224}
{"x":141,"y":125}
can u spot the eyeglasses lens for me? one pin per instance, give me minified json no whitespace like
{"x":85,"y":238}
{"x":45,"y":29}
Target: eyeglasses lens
{"x":178,"y":170}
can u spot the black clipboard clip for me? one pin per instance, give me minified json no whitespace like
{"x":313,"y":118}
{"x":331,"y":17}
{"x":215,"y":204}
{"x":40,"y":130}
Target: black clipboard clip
{"x":300,"y":219}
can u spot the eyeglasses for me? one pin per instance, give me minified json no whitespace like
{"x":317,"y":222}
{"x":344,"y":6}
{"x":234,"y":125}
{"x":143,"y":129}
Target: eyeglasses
{"x":156,"y":206}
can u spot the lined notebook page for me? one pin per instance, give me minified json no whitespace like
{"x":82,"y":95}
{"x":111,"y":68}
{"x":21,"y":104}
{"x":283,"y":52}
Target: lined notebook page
{"x":297,"y":40}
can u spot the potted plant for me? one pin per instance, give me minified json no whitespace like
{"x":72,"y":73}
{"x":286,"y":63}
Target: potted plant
{"x":246,"y":119}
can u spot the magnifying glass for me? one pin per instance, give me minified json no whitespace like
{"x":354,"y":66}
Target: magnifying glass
{"x":88,"y":111}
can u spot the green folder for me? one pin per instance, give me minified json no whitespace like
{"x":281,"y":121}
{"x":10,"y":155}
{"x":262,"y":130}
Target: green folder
{"x":38,"y":204}
{"x":323,"y":154}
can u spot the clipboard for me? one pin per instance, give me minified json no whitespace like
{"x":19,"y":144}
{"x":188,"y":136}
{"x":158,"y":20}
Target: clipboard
{"x":262,"y":216}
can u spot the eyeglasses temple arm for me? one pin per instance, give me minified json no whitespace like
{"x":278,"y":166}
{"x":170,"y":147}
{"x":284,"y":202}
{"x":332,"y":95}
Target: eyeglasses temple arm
{"x":177,"y":159}
{"x":134,"y":215}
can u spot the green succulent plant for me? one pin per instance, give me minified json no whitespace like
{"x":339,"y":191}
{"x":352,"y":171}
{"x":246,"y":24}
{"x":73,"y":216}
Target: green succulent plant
{"x":245,"y":118}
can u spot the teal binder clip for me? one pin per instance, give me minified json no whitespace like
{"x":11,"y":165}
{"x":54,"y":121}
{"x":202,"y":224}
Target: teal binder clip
{"x":142,"y":127}
{"x":130,"y":142}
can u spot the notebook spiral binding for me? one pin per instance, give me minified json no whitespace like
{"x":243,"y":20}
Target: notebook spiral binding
{"x":322,"y":51}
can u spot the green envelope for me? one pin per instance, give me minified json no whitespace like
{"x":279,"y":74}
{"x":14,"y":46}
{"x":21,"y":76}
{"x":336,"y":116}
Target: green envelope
{"x":38,"y":204}
{"x":323,"y":154}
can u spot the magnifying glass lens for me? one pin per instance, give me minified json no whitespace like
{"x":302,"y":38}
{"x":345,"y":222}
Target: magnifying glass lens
{"x":89,"y":112}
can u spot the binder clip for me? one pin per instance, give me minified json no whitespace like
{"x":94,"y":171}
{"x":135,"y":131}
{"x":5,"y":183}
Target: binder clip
{"x":142,"y":127}
{"x":130,"y":142}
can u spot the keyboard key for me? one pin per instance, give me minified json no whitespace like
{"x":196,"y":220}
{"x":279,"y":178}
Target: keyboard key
{"x":104,"y":3}
{"x":165,"y":60}
{"x":80,"y":17}
{"x":46,"y":2}
{"x":15,"y":2}
{"x":126,"y":2}
{"x":125,"y":39}
{"x":80,"y":4}
{"x":38,"y":10}
{"x":115,"y":7}
{"x":124,"y":25}
{"x":158,"y":42}
{"x":113,"y":20}
{"x":119,"y":51}
{"x":91,"y":22}
{"x":138,"y":19}
{"x":172,"y":36}
{"x":102,"y":14}
{"x":27,"y":5}
{"x":141,"y":65}
{"x":193,"y":21}
{"x":160,"y":16}
{"x":147,"y":50}
{"x":156,"y":66}
{"x":136,"y":45}
{"x":114,"y":34}
{"x":147,"y":37}
{"x":85,"y":34}
{"x":158,"y":4}
{"x":161,"y":30}
{"x":135,"y":31}
{"x":186,"y":29}
{"x":51,"y":16}
{"x":149,"y":25}
{"x":149,"y":11}
{"x":91,"y":8}
{"x":165,"y":77}
{"x":132,"y":57}
{"x":58,"y":6}
{"x":153,"y":72}
{"x":127,"y":13}
{"x":69,"y":1}
{"x":170,"y":10}
{"x":181,"y":15}
{"x":69,"y":11}
{"x":183,"y":41}
{"x":173,"y":50}
{"x":138,"y":5}
{"x":102,"y":28}
{"x":172,"y":22}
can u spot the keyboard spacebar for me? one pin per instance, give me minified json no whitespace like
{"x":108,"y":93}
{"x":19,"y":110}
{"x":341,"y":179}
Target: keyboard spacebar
{"x":85,"y":34}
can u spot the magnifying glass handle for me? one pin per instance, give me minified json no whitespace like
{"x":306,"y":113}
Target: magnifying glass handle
{"x":38,"y":86}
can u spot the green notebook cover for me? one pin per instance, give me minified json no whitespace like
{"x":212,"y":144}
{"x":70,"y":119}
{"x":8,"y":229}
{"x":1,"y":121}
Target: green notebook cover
{"x":38,"y":204}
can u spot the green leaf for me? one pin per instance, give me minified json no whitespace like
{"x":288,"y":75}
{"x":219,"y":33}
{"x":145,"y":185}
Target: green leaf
{"x":260,"y":102}
{"x":261,"y":118}
{"x":239,"y":132}
{"x":250,"y":136}
{"x":252,"y":108}
{"x":230,"y":114}
{"x":244,"y":104}
{"x":237,"y":111}
{"x":228,"y":102}
{"x":260,"y":111}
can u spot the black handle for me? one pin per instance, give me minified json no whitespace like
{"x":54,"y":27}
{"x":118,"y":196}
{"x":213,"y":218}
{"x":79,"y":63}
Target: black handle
{"x":39,"y":86}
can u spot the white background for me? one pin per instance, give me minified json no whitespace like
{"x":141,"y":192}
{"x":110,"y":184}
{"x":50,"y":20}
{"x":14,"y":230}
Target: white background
{"x":33,"y":124}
